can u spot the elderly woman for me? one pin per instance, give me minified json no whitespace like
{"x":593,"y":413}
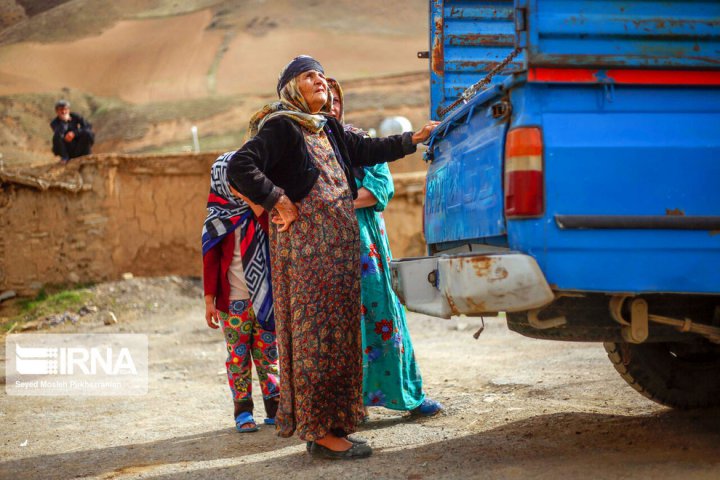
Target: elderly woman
{"x":298,"y":165}
{"x":391,"y":377}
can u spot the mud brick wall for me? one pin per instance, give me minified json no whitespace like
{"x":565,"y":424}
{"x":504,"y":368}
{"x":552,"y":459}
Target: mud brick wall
{"x":101,"y":216}
{"x":403,"y":215}
{"x":104,"y":215}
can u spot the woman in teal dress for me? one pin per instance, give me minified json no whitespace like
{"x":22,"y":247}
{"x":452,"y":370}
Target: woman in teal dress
{"x":391,"y":377}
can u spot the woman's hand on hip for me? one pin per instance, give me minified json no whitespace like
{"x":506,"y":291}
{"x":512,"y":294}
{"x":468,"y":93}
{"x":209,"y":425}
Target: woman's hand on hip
{"x":284,"y":213}
{"x":424,"y":133}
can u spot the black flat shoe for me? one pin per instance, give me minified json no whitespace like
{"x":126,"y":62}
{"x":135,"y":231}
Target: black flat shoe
{"x":354,"y":440}
{"x":358,"y":450}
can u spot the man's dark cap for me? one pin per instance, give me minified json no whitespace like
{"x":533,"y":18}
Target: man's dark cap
{"x":61,"y":104}
{"x":297,"y":65}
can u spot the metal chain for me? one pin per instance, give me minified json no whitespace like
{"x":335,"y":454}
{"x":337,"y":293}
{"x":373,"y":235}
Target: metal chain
{"x":473,"y":89}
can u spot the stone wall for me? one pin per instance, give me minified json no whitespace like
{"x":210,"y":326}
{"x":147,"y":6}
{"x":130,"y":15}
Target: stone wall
{"x":104,"y":215}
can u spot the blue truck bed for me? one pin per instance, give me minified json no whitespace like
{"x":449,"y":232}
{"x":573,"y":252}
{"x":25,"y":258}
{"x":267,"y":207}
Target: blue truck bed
{"x":578,"y":189}
{"x":627,"y":97}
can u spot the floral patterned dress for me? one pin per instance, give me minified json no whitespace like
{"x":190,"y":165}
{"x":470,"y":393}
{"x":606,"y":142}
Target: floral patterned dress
{"x":316,"y":288}
{"x":391,"y":377}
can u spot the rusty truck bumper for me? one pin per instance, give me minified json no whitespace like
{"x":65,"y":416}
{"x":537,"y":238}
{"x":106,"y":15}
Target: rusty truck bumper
{"x":470,"y":284}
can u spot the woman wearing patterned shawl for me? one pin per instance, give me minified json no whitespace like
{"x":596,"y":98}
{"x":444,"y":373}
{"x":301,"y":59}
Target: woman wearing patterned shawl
{"x":391,"y":377}
{"x":238,"y":295}
{"x":298,"y":165}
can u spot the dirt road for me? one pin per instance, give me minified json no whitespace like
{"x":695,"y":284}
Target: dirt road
{"x":515,"y":408}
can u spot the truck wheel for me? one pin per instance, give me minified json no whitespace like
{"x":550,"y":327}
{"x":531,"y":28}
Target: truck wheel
{"x":678,"y":375}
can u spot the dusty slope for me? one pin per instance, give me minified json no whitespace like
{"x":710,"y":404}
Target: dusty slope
{"x":228,"y":49}
{"x":48,"y":21}
{"x":144,"y":71}
{"x":158,"y":59}
{"x":164,"y":127}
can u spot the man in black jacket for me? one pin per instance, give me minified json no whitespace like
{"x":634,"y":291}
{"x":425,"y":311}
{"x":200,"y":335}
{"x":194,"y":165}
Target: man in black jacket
{"x":72,"y":135}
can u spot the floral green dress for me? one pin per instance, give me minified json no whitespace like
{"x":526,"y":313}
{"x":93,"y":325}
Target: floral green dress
{"x":391,"y":377}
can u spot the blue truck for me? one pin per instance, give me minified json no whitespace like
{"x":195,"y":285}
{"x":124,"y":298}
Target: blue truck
{"x":574,"y":181}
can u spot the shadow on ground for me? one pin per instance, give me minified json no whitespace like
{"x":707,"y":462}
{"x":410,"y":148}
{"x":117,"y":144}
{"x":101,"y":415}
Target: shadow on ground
{"x":545,"y":446}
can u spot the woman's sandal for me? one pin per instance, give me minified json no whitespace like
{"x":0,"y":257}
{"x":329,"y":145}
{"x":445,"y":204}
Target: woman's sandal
{"x":269,"y":421}
{"x":243,"y":419}
{"x":427,"y":408}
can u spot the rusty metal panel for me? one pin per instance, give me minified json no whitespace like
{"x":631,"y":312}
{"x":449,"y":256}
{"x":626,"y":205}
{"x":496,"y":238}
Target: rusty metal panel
{"x":467,"y":40}
{"x":476,"y":284}
{"x":619,"y":33}
{"x":470,"y":284}
{"x":463,"y":198}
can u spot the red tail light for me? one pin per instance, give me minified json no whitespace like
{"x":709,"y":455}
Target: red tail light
{"x":524,"y":195}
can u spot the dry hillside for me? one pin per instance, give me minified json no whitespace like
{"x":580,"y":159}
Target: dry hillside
{"x":144,"y":71}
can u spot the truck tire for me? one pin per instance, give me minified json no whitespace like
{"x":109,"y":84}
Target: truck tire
{"x":678,"y":375}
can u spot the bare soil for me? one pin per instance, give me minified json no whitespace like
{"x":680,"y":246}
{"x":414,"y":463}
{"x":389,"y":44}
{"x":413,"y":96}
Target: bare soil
{"x":141,"y":52}
{"x":164,"y":127}
{"x":514,"y":408}
{"x":144,"y":71}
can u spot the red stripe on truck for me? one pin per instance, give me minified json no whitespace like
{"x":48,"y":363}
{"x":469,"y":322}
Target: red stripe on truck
{"x":625,"y":76}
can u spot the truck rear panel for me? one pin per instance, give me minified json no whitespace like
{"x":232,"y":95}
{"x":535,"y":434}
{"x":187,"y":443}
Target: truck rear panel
{"x":469,"y":38}
{"x":643,"y":160}
{"x":627,"y":97}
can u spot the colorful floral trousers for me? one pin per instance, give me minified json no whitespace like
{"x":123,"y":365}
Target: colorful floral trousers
{"x":247,"y":340}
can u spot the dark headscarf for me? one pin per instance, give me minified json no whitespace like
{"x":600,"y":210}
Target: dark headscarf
{"x":297,"y":65}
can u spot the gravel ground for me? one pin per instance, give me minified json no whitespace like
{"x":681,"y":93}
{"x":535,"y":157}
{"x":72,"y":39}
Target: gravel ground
{"x":515,"y":408}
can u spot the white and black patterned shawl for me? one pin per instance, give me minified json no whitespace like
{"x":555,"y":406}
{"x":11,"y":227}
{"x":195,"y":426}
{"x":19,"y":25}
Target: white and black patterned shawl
{"x":227,"y":213}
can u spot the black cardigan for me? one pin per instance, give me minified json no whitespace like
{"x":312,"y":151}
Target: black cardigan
{"x":276,"y":160}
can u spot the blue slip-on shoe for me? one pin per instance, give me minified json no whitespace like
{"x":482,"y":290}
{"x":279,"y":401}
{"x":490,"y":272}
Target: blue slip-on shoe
{"x":269,"y":421}
{"x":427,"y":408}
{"x":243,"y":419}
